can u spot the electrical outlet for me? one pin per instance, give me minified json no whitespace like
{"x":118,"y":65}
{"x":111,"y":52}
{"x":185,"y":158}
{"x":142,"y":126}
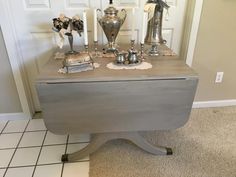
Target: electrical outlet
{"x":219,"y":77}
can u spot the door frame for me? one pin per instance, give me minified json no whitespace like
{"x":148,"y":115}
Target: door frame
{"x":194,"y":31}
{"x":17,"y":65}
{"x":12,"y":47}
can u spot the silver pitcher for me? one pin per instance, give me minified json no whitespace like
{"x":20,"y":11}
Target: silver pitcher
{"x":120,"y":57}
{"x":133,"y":56}
{"x":154,"y":28}
{"x":111,"y":23}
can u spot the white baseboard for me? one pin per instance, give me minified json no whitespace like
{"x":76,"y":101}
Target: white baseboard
{"x":14,"y":116}
{"x":217,"y":103}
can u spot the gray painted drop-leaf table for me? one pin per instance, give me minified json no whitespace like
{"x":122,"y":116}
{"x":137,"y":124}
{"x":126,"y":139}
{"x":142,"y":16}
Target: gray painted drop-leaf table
{"x":117,"y":104}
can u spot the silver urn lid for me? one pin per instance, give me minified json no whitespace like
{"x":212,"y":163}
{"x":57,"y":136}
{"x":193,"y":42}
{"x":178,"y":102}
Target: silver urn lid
{"x":111,"y":11}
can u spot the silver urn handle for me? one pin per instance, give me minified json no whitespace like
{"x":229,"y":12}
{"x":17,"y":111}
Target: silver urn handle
{"x":123,"y":15}
{"x":99,"y":15}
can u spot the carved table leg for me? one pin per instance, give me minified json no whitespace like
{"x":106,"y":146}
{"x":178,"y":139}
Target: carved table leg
{"x":98,"y":140}
{"x":146,"y":146}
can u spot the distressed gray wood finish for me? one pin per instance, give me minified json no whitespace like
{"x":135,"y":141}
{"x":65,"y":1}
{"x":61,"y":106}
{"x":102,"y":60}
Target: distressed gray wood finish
{"x":100,"y":139}
{"x":114,"y":104}
{"x":107,"y":100}
{"x":97,"y":107}
{"x":163,"y":68}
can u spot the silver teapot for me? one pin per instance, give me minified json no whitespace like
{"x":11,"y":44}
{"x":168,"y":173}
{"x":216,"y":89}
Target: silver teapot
{"x":111,"y":23}
{"x":133,"y":56}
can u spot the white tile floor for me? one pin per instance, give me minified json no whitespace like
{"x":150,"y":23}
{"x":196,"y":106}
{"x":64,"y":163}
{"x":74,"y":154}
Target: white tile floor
{"x":28,"y":149}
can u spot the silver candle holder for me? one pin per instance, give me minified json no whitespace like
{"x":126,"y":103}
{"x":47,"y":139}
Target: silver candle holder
{"x":86,"y":47}
{"x":96,"y":48}
{"x":95,"y":53}
{"x":142,"y":52}
{"x":132,"y":44}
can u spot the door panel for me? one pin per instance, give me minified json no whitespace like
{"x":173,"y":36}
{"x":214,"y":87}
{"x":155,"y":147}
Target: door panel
{"x":32,"y":21}
{"x":9,"y":98}
{"x":37,"y":4}
{"x":172,"y":22}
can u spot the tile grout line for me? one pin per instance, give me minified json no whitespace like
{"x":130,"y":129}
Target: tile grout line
{"x":57,"y":163}
{"x":41,"y":147}
{"x":39,"y":153}
{"x":25,"y":132}
{"x":16,"y":149}
{"x":48,"y":145}
{"x":63,"y":164}
{"x":4,"y":127}
{"x":66,"y":143}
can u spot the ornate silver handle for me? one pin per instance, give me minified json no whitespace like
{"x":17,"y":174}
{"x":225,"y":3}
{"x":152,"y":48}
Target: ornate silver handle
{"x":99,"y":15}
{"x":124,"y":12}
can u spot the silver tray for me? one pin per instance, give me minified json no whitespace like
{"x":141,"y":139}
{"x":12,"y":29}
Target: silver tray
{"x":127,"y":63}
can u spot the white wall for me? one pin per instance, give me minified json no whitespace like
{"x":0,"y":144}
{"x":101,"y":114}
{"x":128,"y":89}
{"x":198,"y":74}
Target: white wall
{"x":215,"y":51}
{"x":9,"y":99}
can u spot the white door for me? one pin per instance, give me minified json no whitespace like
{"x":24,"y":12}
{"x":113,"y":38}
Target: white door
{"x":173,"y":21}
{"x":32,"y":21}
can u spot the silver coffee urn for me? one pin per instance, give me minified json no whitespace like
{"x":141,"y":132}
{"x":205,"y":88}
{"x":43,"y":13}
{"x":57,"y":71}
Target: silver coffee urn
{"x":154,"y":27}
{"x":111,"y":23}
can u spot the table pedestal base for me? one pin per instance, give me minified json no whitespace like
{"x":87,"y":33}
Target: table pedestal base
{"x":97,"y":140}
